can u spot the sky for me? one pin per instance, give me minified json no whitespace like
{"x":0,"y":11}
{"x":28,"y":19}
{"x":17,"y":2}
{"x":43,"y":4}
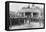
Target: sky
{"x":18,"y":6}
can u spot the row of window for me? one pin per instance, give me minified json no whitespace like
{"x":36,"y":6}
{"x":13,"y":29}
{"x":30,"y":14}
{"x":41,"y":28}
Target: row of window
{"x":29,"y":14}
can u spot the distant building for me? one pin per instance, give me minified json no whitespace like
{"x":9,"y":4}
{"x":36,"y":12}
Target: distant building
{"x":29,"y":13}
{"x":34,"y":11}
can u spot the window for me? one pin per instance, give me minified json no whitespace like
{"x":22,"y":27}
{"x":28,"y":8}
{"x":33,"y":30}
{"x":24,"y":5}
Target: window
{"x":35,"y":14}
{"x":27,"y":13}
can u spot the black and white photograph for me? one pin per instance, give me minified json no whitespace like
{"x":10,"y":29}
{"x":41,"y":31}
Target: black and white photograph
{"x":26,"y":15}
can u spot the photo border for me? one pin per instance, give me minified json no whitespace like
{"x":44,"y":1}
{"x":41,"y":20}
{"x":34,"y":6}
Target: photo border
{"x":7,"y":15}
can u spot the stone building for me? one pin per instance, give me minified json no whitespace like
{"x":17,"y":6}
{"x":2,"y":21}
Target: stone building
{"x":26,"y":15}
{"x":29,"y":13}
